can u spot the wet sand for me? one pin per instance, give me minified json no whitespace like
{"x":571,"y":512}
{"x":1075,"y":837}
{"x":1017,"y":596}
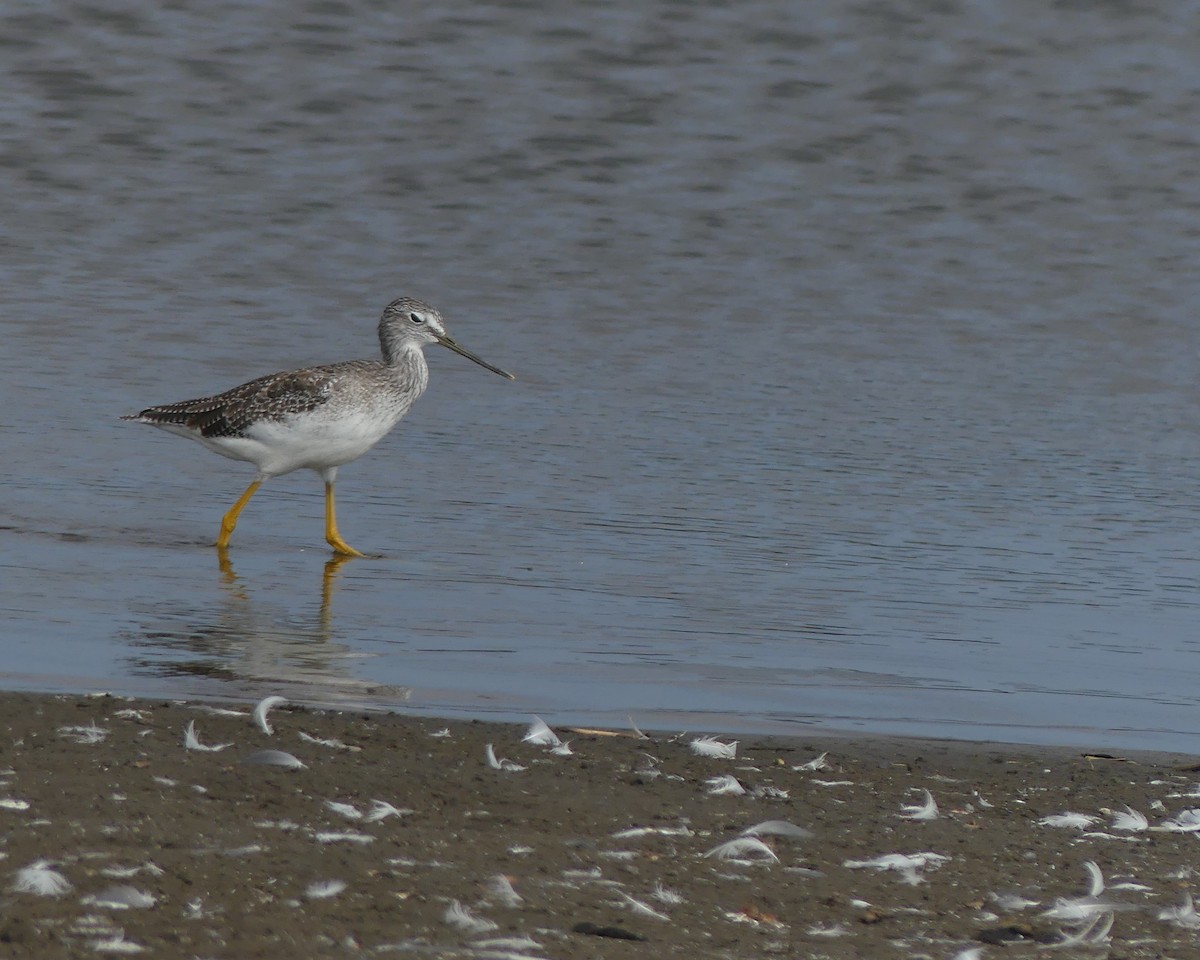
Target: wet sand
{"x":213,"y":856}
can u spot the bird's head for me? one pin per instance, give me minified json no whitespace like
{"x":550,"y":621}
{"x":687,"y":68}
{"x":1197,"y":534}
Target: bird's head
{"x":409,"y":323}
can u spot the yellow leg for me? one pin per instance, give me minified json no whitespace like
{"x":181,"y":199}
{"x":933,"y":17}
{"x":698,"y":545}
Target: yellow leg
{"x":229,"y":521}
{"x":332,"y":537}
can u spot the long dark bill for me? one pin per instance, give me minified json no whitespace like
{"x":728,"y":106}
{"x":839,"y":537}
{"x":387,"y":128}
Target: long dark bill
{"x":463,"y":351}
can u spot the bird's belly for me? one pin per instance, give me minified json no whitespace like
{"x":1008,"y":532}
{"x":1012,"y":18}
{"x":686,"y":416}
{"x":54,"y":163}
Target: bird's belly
{"x":312,"y":441}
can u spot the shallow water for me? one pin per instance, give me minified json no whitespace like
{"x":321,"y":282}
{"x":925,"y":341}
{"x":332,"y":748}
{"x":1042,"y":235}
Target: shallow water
{"x":856,"y":350}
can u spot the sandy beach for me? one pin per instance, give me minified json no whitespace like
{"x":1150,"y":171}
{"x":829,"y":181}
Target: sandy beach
{"x":397,"y":835}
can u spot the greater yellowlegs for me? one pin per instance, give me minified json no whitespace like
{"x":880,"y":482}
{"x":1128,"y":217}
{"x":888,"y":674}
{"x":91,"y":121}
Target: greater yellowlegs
{"x":318,"y":417}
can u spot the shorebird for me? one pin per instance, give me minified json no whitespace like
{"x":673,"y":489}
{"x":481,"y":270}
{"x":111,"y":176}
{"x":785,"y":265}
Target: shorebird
{"x":319,"y":417}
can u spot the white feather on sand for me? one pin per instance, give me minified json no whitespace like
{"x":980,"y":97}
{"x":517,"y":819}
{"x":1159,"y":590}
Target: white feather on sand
{"x":331,"y":743}
{"x":1184,"y":915}
{"x":633,"y":832}
{"x":381,"y":810}
{"x":275,"y":758}
{"x":347,"y":810}
{"x":906,"y":864}
{"x":191,"y":741}
{"x":505,"y":948}
{"x":500,"y":889}
{"x":1084,"y":909}
{"x":926,"y":810}
{"x":712,"y":747}
{"x":1186,"y":821}
{"x":1093,"y":933}
{"x":216,"y":711}
{"x":324,"y":889}
{"x":724,"y":786}
{"x":116,"y":944}
{"x":124,"y":873}
{"x":265,"y":706}
{"x":1068,"y":820}
{"x":41,"y":879}
{"x":640,"y":908}
{"x":461,"y":918}
{"x":777,"y":828}
{"x":1011,"y":902}
{"x":342,"y":836}
{"x":88,"y":736}
{"x":749,"y":849}
{"x":1129,"y":820}
{"x":540,"y":734}
{"x":120,"y":897}
{"x":817,"y":763}
{"x":831,"y":931}
{"x":499,"y":763}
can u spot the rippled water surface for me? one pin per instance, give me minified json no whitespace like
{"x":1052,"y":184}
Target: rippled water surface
{"x":856,"y":344}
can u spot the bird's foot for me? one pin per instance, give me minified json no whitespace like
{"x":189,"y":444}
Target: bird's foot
{"x":342,"y":548}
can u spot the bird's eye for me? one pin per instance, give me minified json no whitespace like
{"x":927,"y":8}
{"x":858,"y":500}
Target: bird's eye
{"x":416,"y":318}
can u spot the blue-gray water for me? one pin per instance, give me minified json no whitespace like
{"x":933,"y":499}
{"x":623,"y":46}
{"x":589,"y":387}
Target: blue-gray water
{"x":857,"y":347}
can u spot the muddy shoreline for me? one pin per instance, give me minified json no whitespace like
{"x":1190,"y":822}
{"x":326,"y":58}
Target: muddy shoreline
{"x":120,"y":840}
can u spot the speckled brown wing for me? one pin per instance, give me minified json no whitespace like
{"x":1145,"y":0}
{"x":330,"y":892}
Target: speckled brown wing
{"x":229,"y":414}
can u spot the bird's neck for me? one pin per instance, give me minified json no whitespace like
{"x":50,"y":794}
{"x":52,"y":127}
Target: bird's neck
{"x":407,"y":363}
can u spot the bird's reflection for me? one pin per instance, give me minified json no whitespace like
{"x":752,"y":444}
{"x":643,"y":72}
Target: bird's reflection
{"x":229,"y":577}
{"x":235,"y":587}
{"x":246,"y":635}
{"x":329,"y":577}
